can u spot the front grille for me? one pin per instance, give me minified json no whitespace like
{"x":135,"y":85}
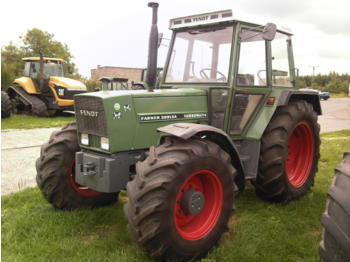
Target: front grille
{"x":90,"y":116}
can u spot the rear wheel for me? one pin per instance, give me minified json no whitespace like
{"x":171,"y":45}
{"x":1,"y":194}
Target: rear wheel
{"x":5,"y":105}
{"x":335,"y":245}
{"x":56,"y":174}
{"x":289,"y":153}
{"x":181,"y":199}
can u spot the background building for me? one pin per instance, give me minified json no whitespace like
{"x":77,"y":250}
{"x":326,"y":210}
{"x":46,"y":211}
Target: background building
{"x":132,"y":74}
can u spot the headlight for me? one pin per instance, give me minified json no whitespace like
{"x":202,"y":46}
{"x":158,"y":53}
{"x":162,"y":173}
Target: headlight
{"x":105,"y":143}
{"x":85,"y":139}
{"x":60,"y":90}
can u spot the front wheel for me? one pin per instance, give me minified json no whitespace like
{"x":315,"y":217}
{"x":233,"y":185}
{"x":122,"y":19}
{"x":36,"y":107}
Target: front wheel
{"x":181,"y":198}
{"x":290,"y":149}
{"x":56,"y":174}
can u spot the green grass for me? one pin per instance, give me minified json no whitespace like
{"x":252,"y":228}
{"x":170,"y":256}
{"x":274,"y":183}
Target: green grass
{"x":28,"y":122}
{"x":339,"y":95}
{"x":34,"y":231}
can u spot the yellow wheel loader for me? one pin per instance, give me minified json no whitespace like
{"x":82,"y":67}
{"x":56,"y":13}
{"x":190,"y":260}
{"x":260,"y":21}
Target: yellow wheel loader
{"x":43,"y":90}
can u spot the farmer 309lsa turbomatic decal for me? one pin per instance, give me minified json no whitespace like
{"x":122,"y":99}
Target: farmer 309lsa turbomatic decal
{"x":226,"y":110}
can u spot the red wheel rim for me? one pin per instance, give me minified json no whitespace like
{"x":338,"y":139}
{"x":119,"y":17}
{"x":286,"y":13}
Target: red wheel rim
{"x":300,"y":154}
{"x":81,"y":190}
{"x":194,"y":227}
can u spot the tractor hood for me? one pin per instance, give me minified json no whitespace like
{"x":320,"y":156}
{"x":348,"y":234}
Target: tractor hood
{"x":130,"y":118}
{"x":67,"y":82}
{"x":144,"y":93}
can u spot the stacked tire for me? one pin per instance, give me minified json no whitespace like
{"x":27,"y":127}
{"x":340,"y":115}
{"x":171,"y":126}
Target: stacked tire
{"x":335,"y":245}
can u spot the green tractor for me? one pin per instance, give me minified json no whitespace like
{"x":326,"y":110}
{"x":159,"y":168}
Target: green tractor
{"x":227,"y":110}
{"x":143,"y":84}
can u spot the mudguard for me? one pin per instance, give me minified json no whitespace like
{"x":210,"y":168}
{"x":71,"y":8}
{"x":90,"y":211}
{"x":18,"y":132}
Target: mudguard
{"x":307,"y":95}
{"x":27,"y":84}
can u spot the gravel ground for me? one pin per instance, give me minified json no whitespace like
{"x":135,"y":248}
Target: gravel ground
{"x":335,"y":114}
{"x":19,"y":151}
{"x":21,"y":148}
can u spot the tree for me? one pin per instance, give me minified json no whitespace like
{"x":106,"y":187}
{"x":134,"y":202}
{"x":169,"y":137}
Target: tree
{"x":338,"y":86}
{"x":11,"y":63}
{"x":34,"y":42}
{"x":332,"y":82}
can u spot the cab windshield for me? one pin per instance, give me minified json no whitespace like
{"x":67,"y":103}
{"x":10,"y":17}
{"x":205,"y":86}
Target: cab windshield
{"x":201,"y":55}
{"x":50,"y":69}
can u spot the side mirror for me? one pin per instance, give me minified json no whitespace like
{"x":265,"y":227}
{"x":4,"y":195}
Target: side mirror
{"x":269,"y":31}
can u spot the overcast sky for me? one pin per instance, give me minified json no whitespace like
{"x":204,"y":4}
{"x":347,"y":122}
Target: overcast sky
{"x":115,"y":33}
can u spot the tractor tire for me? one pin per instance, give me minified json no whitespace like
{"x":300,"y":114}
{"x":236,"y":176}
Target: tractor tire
{"x":6,"y":106}
{"x":55,"y":174}
{"x":289,"y":153}
{"x":335,"y":246}
{"x":181,"y":199}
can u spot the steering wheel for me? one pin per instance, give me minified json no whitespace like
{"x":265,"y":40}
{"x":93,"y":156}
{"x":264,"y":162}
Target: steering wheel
{"x":204,"y":75}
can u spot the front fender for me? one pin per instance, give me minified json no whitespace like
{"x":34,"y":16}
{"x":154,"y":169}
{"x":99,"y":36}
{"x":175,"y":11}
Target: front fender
{"x":188,"y":130}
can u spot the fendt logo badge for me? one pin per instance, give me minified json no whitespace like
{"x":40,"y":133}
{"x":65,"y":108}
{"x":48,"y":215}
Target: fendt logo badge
{"x":88,"y":113}
{"x":200,"y":18}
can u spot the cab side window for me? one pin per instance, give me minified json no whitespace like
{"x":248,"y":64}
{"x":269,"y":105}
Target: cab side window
{"x":280,"y":62}
{"x":26,"y":69}
{"x":252,"y":59}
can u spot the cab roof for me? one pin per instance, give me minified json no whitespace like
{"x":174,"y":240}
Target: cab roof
{"x":46,"y":59}
{"x":211,"y":18}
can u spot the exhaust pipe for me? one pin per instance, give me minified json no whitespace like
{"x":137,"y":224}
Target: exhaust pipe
{"x":41,"y":73}
{"x":151,"y":76}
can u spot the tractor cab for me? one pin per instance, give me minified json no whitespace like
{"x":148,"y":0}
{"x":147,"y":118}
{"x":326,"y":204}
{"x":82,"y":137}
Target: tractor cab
{"x":238,"y":63}
{"x":40,"y":70}
{"x":114,"y":83}
{"x":51,"y":67}
{"x":216,"y":49}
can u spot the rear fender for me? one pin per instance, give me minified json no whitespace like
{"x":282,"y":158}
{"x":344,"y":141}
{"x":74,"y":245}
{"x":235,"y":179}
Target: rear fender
{"x":27,"y":84}
{"x":310,"y":97}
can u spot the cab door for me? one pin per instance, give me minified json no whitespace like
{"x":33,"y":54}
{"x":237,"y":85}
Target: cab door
{"x":251,"y":86}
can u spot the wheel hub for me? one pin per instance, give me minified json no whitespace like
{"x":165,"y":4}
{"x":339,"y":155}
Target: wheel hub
{"x":198,"y":204}
{"x":192,"y":202}
{"x":300,"y":154}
